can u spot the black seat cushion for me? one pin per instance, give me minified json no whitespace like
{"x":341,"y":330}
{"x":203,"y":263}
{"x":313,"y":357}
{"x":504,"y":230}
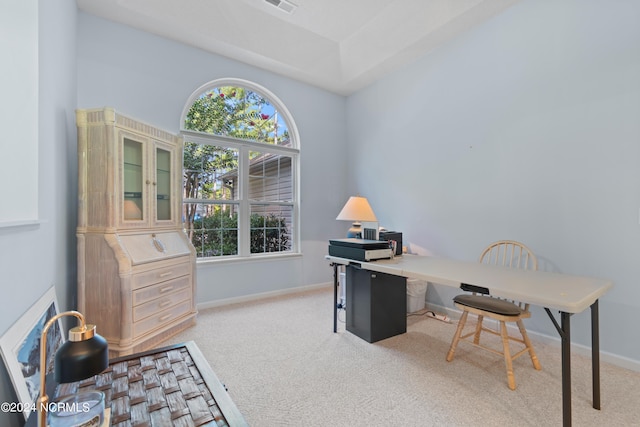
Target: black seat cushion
{"x":492,"y":305}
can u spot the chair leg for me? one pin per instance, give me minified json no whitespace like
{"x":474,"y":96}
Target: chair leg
{"x":527,"y":342}
{"x":507,"y":356}
{"x":476,"y":336}
{"x":456,"y":337}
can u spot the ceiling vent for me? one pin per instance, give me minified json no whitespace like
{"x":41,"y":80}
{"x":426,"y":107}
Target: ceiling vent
{"x":283,"y":5}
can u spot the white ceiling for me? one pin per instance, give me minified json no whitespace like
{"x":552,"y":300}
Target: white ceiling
{"x":339,"y":45}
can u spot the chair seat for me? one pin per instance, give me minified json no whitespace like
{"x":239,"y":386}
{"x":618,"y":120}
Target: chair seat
{"x":493,"y":305}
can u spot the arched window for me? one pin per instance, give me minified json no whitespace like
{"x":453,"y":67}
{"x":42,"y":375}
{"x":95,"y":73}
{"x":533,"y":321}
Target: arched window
{"x":240,"y":171}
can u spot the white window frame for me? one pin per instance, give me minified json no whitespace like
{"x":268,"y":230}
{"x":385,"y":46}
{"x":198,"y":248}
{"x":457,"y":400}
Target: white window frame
{"x":244,"y":147}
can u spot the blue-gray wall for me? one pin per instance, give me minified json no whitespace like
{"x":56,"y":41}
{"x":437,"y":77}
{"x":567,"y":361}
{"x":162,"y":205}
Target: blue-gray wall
{"x":525,"y":128}
{"x":32,"y":259}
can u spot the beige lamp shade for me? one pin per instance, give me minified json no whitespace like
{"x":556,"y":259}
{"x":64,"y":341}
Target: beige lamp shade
{"x":357,"y":209}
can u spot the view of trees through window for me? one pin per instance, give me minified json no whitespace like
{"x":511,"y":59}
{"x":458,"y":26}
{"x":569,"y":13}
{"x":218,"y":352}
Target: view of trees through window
{"x":238,"y":198}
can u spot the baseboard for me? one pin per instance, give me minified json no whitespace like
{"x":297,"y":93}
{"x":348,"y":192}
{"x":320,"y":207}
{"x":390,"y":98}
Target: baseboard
{"x":582,"y":350}
{"x":262,"y":295}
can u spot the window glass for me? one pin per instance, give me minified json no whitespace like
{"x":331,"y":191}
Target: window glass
{"x":237,"y":112}
{"x":239,"y":174}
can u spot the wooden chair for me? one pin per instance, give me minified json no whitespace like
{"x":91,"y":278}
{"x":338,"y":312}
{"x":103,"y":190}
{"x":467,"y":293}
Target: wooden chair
{"x":509,"y":254}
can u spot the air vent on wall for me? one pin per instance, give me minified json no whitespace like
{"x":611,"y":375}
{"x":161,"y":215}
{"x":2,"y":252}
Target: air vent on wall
{"x":283,"y":5}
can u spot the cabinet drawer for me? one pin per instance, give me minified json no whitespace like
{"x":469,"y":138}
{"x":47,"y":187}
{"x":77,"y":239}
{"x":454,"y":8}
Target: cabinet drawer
{"x":143,"y":295}
{"x":162,"y":318}
{"x":154,"y":306}
{"x":159,"y":275}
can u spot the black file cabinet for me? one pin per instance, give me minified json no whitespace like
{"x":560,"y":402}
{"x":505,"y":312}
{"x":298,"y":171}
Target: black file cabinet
{"x":376,"y":304}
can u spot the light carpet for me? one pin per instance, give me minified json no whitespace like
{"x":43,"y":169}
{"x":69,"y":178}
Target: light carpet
{"x":284,"y":366}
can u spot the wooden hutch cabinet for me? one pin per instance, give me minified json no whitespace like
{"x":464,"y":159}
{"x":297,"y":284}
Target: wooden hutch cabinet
{"x":136,"y":266}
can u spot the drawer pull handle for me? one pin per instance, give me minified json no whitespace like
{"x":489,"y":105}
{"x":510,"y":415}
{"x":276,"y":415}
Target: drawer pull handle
{"x":165,"y":303}
{"x":158,"y":244}
{"x":165,"y":317}
{"x":166,"y":289}
{"x":168,"y":273}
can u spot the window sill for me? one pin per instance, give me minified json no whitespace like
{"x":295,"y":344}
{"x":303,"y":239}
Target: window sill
{"x":249,"y":259}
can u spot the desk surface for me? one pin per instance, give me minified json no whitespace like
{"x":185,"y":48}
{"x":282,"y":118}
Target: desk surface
{"x":567,"y":293}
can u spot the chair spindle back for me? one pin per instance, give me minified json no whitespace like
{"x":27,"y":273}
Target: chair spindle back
{"x":510,"y":254}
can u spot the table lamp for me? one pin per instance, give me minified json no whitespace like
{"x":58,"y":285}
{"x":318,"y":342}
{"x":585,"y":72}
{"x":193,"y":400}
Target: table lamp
{"x":85,"y":354}
{"x":356,"y":209}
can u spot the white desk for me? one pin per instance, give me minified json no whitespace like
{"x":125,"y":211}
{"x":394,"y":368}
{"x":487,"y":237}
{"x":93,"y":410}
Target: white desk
{"x":565,"y":293}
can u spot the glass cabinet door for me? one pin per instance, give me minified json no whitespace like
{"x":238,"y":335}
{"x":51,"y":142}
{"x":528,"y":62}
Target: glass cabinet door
{"x":133,"y":205}
{"x":163,"y":185}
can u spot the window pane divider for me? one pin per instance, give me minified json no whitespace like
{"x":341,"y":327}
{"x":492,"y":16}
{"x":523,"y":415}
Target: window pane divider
{"x":271,"y":203}
{"x":209,"y":139}
{"x":211,"y":201}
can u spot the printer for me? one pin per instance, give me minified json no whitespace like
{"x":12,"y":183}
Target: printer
{"x":360,"y":249}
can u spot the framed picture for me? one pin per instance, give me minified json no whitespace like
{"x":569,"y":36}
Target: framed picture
{"x":20,"y":347}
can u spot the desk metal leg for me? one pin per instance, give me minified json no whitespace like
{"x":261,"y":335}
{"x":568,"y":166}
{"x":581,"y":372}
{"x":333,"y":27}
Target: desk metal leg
{"x":565,"y":321}
{"x":335,"y":296}
{"x":565,"y":335}
{"x":564,"y":330}
{"x":595,"y":354}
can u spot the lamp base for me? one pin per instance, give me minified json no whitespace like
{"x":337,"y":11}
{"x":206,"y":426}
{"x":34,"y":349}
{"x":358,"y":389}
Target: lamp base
{"x":355,"y":231}
{"x":86,"y":409}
